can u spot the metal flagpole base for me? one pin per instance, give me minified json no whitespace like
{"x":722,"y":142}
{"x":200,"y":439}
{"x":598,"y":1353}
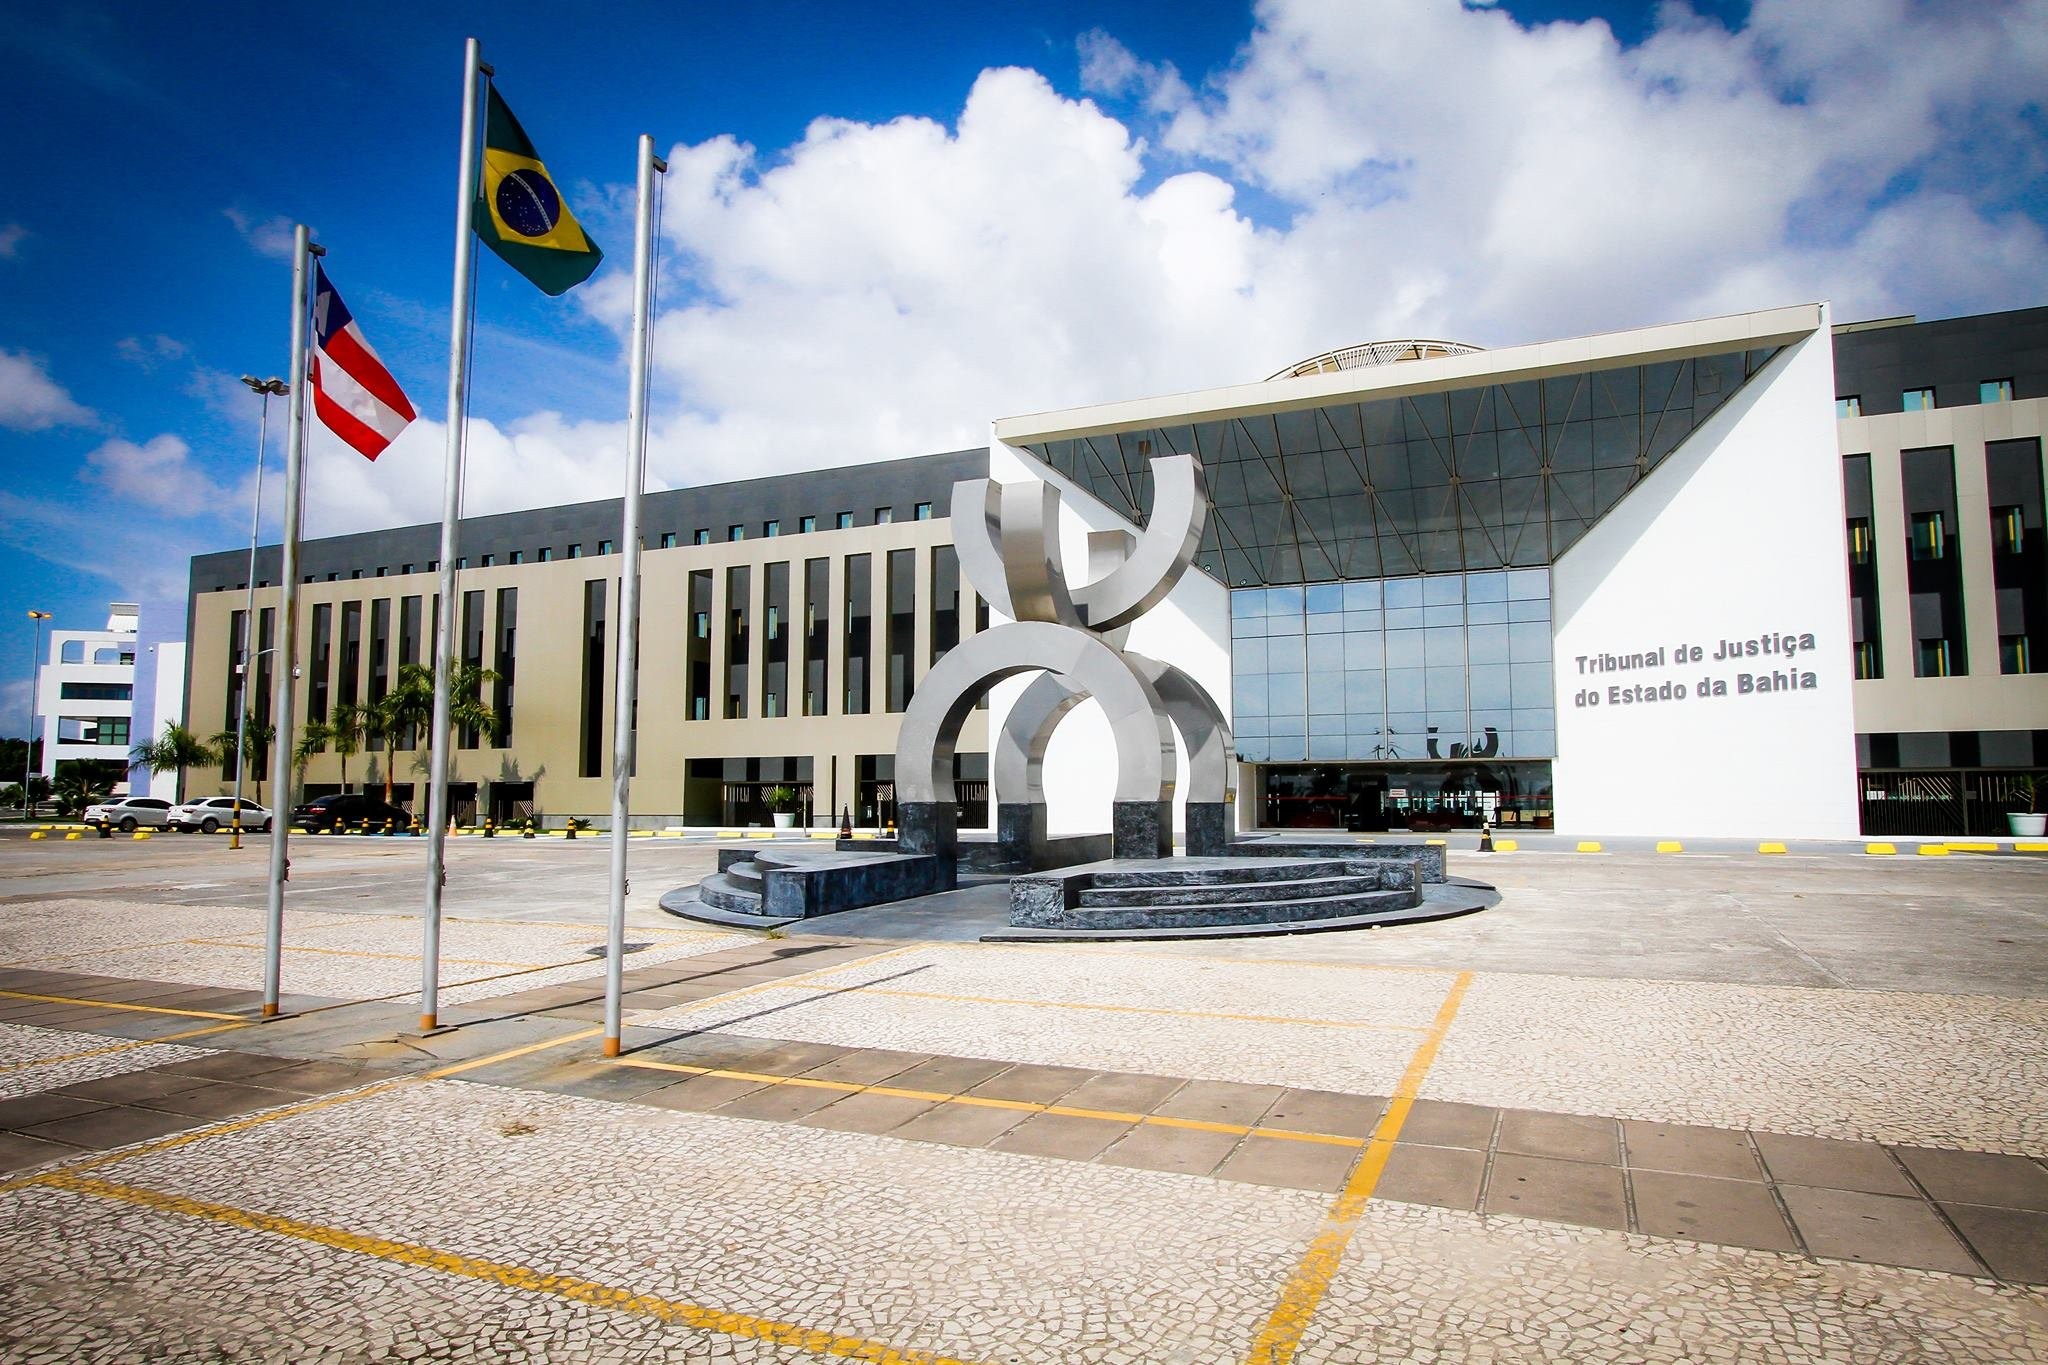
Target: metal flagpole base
{"x":269,"y":1011}
{"x":611,"y":1047}
{"x":427,"y":1024}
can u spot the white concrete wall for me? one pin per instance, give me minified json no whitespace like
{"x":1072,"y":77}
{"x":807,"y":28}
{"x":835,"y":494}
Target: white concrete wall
{"x":168,"y":708}
{"x":1190,"y":629}
{"x":1737,"y":536}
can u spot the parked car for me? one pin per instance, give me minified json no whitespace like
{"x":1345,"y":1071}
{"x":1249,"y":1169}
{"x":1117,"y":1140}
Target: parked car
{"x":212,"y":813}
{"x":130,"y":813}
{"x":346,"y":811}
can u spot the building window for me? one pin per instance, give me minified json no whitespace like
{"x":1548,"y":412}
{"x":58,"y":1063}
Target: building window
{"x":1851,"y":406}
{"x":1867,"y":665}
{"x":817,"y":633}
{"x":516,"y":557}
{"x":697,"y":649}
{"x":575,"y":550}
{"x":668,"y":540}
{"x":1930,"y":537}
{"x":604,"y":547}
{"x":505,"y":663}
{"x":771,"y":528}
{"x":380,"y":567}
{"x":1917,"y":400}
{"x":703,"y":536}
{"x":844,"y":521}
{"x":806,"y":525}
{"x":407,"y":568}
{"x":355,"y":573}
{"x":738,"y":583}
{"x":544,"y":554}
{"x":2014,"y":655}
{"x":1995,"y":391}
{"x":1934,"y":659}
{"x":1859,"y":540}
{"x":92,"y":691}
{"x":488,"y":561}
{"x":2008,"y":530}
{"x":735,"y":533}
{"x":593,"y":745}
{"x":884,"y":515}
{"x":923,"y":512}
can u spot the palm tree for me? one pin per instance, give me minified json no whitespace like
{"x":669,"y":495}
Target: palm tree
{"x":405,"y":714}
{"x":175,"y":749}
{"x":259,"y":737}
{"x":312,"y":737}
{"x":348,"y":728}
{"x":78,"y":789}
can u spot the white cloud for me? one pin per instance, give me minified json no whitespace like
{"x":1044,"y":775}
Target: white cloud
{"x":11,"y":237}
{"x":158,"y":474}
{"x":271,"y":236}
{"x":31,"y":401}
{"x":150,"y":351}
{"x":1356,"y":172}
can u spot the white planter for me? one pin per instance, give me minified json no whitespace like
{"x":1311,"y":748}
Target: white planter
{"x":2027,"y":826}
{"x":785,"y":819}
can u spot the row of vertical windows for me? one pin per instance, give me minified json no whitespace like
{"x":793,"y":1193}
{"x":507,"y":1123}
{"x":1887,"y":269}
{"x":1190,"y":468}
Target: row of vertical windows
{"x":1934,"y":570}
{"x":1922,"y":400}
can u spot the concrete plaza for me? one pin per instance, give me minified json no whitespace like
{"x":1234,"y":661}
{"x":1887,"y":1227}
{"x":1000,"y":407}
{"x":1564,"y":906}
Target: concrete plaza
{"x":1704,"y":1106}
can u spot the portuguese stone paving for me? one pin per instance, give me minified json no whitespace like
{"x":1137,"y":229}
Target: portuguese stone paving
{"x":817,"y":1150}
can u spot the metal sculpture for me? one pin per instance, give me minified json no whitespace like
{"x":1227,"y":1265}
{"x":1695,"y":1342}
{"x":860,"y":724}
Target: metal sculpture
{"x":1007,"y":538}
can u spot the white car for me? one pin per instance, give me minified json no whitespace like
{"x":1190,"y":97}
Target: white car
{"x":130,"y":813}
{"x":217,"y":812}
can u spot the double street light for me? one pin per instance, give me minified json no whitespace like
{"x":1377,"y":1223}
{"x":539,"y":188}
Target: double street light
{"x":265,"y":389}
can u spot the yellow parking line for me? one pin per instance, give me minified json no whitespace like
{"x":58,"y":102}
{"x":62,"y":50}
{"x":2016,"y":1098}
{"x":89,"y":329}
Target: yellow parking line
{"x":527,"y":1279}
{"x":991,"y":1102}
{"x":1131,"y":1009}
{"x":1304,"y":1290}
{"x":354,"y":952}
{"x":117,"y":1005}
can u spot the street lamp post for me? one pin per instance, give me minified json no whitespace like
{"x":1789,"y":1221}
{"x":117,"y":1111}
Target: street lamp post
{"x":35,"y":680}
{"x":265,"y":389}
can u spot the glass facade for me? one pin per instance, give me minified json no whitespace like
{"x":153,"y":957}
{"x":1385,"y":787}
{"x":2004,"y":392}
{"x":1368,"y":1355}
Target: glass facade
{"x":1490,"y":477}
{"x":1445,"y":667}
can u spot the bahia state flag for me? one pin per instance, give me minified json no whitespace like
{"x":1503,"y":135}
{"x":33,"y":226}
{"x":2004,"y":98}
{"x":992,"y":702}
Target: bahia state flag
{"x":520,"y":214}
{"x":353,"y":394}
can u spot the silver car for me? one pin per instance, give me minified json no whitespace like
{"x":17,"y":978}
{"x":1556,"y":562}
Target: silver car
{"x":130,"y":813}
{"x":217,"y":812}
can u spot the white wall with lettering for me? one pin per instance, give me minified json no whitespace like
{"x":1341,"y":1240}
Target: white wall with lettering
{"x":1701,"y":631}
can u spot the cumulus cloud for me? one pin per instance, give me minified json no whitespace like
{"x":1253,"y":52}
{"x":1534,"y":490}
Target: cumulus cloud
{"x":32,"y":401}
{"x":883,"y":289}
{"x":150,"y":351}
{"x":158,"y":474}
{"x":269,"y":236}
{"x":11,"y":236}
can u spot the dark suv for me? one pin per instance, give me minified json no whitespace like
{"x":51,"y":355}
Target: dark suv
{"x":347,"y":811}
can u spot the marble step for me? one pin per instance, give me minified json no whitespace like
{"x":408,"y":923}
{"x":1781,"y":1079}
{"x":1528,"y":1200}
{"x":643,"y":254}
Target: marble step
{"x":1281,"y":911}
{"x":1233,"y":871}
{"x":727,"y":893}
{"x":1308,"y":888}
{"x":747,"y":874}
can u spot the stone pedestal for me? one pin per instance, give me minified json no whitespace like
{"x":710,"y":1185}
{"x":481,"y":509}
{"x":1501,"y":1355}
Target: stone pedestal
{"x":1211,"y":827}
{"x":927,"y":827}
{"x":1141,"y":829}
{"x":1020,"y":832}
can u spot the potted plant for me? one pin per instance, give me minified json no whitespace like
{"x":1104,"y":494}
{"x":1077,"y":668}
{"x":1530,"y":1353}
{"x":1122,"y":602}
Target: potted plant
{"x":2026,"y":820}
{"x":782,"y":803}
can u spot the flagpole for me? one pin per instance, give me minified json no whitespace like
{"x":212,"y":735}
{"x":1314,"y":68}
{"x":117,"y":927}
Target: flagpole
{"x":629,"y":591}
{"x":451,"y":510}
{"x":303,"y":251}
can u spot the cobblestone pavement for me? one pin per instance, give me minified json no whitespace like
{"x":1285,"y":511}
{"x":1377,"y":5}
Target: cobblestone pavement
{"x":1342,"y":1148}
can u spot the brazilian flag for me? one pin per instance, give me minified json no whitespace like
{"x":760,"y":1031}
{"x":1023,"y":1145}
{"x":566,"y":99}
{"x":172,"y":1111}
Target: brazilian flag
{"x":520,"y":214}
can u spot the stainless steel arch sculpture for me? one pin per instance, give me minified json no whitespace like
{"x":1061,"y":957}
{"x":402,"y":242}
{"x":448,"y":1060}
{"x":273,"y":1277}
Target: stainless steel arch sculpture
{"x":1008,"y":541}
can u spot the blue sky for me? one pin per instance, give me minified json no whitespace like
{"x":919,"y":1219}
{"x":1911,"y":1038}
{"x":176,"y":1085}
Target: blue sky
{"x":1003,"y":209}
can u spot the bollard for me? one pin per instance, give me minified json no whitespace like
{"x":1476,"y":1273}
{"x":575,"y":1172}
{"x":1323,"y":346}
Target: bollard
{"x":490,"y":828}
{"x":846,"y":822}
{"x":415,"y":831}
{"x":106,"y":830}
{"x":1486,"y":838}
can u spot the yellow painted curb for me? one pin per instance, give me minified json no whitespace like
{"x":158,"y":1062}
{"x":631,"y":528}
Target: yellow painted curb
{"x":862,"y":834}
{"x":1670,"y":846}
{"x":72,"y":835}
{"x":2030,"y":848}
{"x":1589,"y":846}
{"x":1934,"y":850}
{"x":1956,"y":846}
{"x":140,"y":834}
{"x":1768,"y":847}
{"x":1879,"y":848}
{"x":1438,"y":843}
{"x":37,"y":834}
{"x":1505,"y":845}
{"x":824,"y":834}
{"x":760,"y":834}
{"x":728,"y":834}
